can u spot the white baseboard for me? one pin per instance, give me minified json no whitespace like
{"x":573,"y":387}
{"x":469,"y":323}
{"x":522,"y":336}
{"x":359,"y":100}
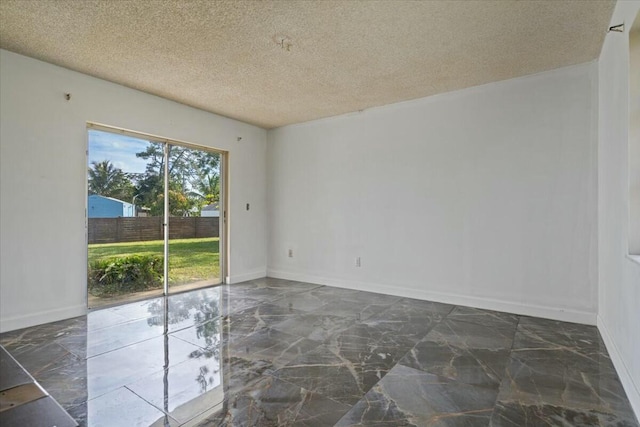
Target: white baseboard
{"x":630,"y":387}
{"x":554,"y":313}
{"x":33,"y":319}
{"x":237,"y":278}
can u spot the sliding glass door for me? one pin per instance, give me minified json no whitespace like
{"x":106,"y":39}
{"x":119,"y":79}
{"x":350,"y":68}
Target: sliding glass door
{"x":153,"y":216}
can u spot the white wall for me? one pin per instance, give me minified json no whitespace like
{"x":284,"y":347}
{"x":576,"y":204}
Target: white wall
{"x":634,"y":141}
{"x":619,"y":276}
{"x":483,"y":197}
{"x":43,"y":163}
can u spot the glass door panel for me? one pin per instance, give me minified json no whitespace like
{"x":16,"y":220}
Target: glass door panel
{"x":194,"y":218}
{"x":124,"y":218}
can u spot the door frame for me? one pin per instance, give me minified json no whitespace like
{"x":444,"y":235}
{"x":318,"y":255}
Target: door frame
{"x":224,"y":228}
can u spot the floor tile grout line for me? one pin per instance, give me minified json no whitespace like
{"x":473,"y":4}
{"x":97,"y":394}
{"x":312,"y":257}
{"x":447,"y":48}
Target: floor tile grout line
{"x":123,"y":347}
{"x":314,"y":392}
{"x":189,"y":342}
{"x":446,"y":317}
{"x":151,"y":404}
{"x":147,"y":339}
{"x":506,"y":368}
{"x":140,"y":342}
{"x":303,"y":388}
{"x":38,"y":371}
{"x":80,"y":356}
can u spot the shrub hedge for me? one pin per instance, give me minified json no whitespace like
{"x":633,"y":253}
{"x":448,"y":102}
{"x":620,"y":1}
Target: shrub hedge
{"x":125,"y":274}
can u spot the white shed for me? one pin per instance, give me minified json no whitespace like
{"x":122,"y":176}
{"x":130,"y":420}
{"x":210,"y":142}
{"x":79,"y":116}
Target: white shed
{"x":211,"y":210}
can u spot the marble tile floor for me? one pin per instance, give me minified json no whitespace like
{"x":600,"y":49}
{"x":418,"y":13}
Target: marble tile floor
{"x":272,"y":352}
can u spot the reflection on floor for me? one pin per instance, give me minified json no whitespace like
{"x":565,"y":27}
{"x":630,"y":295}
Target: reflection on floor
{"x":110,"y":301}
{"x":276,"y":353}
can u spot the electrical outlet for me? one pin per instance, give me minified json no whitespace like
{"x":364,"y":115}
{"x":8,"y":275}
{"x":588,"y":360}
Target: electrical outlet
{"x":358,"y":263}
{"x":290,"y":253}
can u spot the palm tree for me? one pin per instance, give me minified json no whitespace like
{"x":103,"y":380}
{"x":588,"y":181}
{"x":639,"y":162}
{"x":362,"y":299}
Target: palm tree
{"x":108,"y":180}
{"x":209,"y":187}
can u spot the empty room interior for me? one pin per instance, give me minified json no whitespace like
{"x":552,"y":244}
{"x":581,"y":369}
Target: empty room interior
{"x":320,"y":213}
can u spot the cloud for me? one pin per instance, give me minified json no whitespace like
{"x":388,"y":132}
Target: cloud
{"x":118,"y":149}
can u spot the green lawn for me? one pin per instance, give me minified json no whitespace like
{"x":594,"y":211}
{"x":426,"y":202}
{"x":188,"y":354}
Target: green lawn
{"x":190,"y":260}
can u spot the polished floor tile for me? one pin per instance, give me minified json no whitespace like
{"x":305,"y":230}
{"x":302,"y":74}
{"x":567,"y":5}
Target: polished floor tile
{"x":278,"y":348}
{"x":180,"y":393}
{"x":314,"y":326}
{"x":123,"y":407}
{"x":109,"y":371}
{"x":272,"y":402}
{"x":409,"y":397}
{"x":273,"y":352}
{"x":304,"y":301}
{"x":468,"y":365}
{"x":517,"y":414}
{"x":323,"y":372}
{"x":262,"y":316}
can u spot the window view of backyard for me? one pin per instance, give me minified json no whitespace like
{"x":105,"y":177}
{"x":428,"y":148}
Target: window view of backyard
{"x":125,"y":213}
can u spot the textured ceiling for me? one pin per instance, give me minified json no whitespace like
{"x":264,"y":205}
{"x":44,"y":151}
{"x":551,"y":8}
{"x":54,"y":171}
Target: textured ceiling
{"x":273,"y":63}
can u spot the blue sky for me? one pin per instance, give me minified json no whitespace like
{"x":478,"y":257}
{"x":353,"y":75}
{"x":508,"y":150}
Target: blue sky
{"x":119,"y":149}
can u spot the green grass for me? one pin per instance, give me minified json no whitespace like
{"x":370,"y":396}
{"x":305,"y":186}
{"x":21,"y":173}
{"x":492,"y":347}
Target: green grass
{"x":190,"y":260}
